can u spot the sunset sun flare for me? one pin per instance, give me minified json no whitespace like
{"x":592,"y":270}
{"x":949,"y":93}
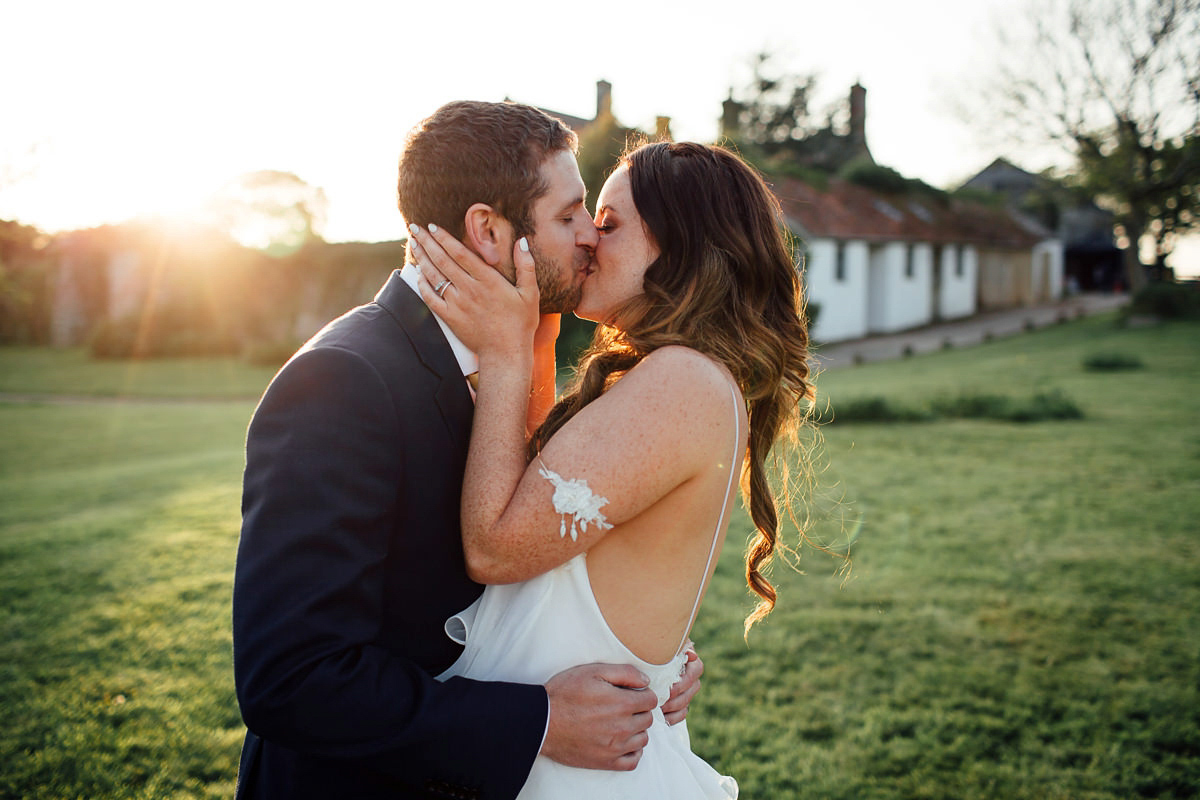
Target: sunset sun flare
{"x":137,"y":109}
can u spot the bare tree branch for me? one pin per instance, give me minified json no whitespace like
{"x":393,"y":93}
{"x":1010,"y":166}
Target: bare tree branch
{"x":1115,"y":83}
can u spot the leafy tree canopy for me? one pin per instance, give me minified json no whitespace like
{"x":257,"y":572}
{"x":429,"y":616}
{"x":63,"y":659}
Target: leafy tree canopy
{"x":1115,"y":84}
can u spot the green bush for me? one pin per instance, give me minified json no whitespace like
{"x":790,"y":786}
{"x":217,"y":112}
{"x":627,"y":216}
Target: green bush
{"x":574,"y":337}
{"x":973,"y":406}
{"x":157,"y":336}
{"x":812,"y":312}
{"x":270,"y":354}
{"x":1052,"y":404}
{"x":1047,"y":405}
{"x":1111,"y":362}
{"x":868,"y":174}
{"x":1168,"y":301}
{"x":877,"y":409}
{"x":24,"y":302}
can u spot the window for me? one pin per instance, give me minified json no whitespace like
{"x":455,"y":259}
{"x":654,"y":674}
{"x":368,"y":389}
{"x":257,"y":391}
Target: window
{"x":910,"y":268}
{"x":957,"y":254}
{"x":839,"y":267}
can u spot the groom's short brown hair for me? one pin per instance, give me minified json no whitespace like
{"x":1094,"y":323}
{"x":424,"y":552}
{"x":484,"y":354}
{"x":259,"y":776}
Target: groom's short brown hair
{"x":471,"y":152}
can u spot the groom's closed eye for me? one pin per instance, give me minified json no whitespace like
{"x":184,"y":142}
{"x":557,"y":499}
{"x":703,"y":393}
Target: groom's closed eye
{"x":570,"y":212}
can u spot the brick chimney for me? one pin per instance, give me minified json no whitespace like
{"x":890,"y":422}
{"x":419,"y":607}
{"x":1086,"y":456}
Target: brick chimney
{"x":603,"y":99}
{"x":662,"y":129}
{"x":858,"y":115}
{"x":730,"y":111}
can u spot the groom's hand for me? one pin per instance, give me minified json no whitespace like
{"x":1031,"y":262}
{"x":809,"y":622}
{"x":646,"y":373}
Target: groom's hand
{"x":599,"y":714}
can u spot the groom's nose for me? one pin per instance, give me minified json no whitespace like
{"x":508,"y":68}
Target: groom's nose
{"x":586,"y":235}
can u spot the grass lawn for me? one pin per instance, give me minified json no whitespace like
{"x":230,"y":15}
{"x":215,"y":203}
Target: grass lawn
{"x":1022,"y":619}
{"x":38,"y":370}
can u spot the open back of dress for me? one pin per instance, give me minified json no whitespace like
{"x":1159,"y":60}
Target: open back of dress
{"x":528,"y":632}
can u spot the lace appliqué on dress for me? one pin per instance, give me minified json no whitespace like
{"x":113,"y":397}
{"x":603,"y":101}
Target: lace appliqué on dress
{"x":575,"y":500}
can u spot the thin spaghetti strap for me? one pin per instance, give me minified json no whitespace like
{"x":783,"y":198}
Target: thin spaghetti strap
{"x":712,"y":548}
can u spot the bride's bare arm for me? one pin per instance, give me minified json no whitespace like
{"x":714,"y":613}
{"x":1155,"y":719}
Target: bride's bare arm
{"x":656,"y":428}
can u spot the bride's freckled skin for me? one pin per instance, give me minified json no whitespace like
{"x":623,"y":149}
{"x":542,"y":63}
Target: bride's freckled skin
{"x":623,"y":254}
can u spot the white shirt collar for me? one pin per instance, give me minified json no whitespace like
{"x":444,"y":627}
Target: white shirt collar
{"x":468,"y":362}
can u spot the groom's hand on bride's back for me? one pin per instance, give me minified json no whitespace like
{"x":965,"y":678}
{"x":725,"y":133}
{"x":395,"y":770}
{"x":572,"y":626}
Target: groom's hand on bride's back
{"x":599,"y":714}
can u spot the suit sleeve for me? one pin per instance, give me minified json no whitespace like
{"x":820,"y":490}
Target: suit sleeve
{"x":323,"y":471}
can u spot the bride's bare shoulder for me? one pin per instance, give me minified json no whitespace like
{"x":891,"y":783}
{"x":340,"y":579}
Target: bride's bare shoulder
{"x":682,"y":373}
{"x":685,"y":363}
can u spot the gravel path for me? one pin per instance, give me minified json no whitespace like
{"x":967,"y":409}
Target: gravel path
{"x":964,"y":332}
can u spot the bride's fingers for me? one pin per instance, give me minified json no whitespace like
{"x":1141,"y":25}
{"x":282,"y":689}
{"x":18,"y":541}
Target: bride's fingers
{"x":435,"y":300}
{"x":526,"y":274}
{"x":466,"y":259}
{"x":425,"y":269}
{"x":432,"y":242}
{"x":462,"y":257}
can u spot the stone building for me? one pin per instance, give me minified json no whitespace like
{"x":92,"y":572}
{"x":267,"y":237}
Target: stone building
{"x":879,"y":263}
{"x":1091,"y":259}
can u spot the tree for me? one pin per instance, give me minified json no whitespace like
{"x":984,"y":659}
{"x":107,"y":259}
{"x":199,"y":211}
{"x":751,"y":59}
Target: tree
{"x":600,"y":145}
{"x":277,"y":212}
{"x":773,"y":125}
{"x":1154,"y":188}
{"x":24,"y":284}
{"x":1116,"y":84}
{"x":773,"y":107}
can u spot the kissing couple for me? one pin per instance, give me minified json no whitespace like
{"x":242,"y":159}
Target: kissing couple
{"x":451,"y":583}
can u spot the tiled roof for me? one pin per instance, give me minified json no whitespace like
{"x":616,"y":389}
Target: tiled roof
{"x":577,"y":124}
{"x":844,"y":210}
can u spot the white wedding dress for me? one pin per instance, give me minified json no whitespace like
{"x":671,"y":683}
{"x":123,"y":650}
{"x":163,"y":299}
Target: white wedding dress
{"x":528,"y":632}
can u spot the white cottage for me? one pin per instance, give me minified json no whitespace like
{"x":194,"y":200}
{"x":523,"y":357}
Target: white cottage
{"x":879,"y":263}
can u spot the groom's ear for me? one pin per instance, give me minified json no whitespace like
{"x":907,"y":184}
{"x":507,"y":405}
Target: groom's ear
{"x":487,"y":233}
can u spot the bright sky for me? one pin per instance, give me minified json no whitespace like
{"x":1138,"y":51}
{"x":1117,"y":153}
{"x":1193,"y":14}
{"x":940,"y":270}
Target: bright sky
{"x":128,"y":107}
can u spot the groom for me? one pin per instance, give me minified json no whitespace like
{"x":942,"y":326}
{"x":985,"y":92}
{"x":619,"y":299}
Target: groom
{"x":350,"y":558}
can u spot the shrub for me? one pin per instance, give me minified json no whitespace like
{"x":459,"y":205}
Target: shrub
{"x":877,"y":409}
{"x":1046,"y":405}
{"x":1168,"y":301}
{"x":158,"y":336}
{"x":270,"y":354}
{"x":574,"y":337}
{"x":973,"y":406}
{"x":1111,"y":362}
{"x":1052,"y":404}
{"x":812,"y":312}
{"x":24,"y":302}
{"x":115,"y":338}
{"x":870,"y":175}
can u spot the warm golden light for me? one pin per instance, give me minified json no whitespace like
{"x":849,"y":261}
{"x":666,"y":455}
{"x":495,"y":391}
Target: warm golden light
{"x":147,"y":108}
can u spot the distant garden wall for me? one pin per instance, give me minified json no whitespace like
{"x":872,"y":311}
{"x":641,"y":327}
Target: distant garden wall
{"x":141,"y":292}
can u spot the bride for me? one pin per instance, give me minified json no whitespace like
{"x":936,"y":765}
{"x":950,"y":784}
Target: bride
{"x":597,"y":537}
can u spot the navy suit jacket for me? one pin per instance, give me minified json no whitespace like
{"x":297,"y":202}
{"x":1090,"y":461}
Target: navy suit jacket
{"x":350,"y":561}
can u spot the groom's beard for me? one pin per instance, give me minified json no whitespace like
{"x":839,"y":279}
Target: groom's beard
{"x":560,"y":287}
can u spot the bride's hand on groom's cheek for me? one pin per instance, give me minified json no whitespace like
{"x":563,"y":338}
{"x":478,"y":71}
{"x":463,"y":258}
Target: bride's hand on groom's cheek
{"x":481,"y":306}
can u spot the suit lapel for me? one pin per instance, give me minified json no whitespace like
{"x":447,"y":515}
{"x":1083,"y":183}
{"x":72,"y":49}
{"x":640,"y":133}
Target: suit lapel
{"x":452,"y":396}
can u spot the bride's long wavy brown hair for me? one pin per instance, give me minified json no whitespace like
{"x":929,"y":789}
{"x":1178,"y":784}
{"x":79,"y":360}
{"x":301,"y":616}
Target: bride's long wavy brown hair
{"x":724,"y":284}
